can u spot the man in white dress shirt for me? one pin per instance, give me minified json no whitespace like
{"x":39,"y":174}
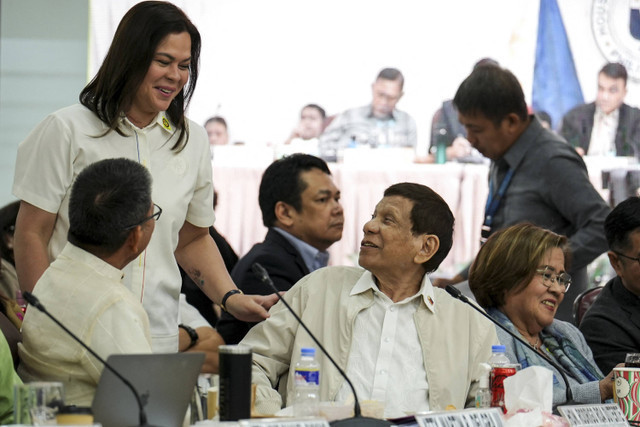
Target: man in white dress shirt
{"x":400,"y":340}
{"x":608,"y":126}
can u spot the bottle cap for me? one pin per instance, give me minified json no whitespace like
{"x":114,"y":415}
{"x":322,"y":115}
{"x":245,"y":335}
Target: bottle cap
{"x":498,"y":349}
{"x":308,"y":351}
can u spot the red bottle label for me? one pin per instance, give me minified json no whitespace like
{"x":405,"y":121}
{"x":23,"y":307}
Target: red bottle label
{"x":498,"y":374}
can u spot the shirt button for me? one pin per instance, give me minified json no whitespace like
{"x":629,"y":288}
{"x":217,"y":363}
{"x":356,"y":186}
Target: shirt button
{"x":392,"y":309}
{"x":383,"y":372}
{"x":387,"y":339}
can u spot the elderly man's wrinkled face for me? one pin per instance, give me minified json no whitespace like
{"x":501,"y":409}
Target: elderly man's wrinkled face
{"x":389,"y":246}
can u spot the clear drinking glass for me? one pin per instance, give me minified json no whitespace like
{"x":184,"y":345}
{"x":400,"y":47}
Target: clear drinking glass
{"x":37,"y":403}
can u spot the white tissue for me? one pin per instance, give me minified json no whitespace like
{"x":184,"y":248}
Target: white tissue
{"x":529,"y":389}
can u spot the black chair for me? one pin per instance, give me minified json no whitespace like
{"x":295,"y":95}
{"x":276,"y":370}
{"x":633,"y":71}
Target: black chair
{"x":583,"y":302}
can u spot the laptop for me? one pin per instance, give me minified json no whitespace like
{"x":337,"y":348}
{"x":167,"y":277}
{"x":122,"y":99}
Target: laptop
{"x":168,"y":381}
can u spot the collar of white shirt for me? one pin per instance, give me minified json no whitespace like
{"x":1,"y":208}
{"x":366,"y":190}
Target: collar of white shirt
{"x":367,"y":281}
{"x":161,"y":120}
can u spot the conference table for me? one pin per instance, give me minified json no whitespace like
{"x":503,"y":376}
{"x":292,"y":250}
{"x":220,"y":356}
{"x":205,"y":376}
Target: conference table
{"x":463,"y":186}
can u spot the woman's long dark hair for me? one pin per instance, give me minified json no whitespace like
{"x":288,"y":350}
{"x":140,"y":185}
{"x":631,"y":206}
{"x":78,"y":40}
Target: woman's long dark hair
{"x":134,"y":44}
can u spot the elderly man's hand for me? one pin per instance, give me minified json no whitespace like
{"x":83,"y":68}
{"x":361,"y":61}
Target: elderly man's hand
{"x":250,"y":308}
{"x":441,"y":282}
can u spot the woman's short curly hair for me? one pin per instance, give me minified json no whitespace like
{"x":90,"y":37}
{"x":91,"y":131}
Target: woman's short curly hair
{"x":509,"y":260}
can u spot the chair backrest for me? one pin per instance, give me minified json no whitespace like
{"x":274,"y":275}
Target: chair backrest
{"x":583,"y":302}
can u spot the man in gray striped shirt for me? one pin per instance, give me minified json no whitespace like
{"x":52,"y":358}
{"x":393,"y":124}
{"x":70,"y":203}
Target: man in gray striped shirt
{"x":378,"y":124}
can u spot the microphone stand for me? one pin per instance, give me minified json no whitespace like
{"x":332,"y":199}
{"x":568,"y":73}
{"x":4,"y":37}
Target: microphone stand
{"x":457,"y":294}
{"x":358,"y":420}
{"x":142,"y":416}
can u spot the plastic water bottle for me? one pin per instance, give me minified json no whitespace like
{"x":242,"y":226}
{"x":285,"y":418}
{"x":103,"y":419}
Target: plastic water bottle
{"x":306,"y":401}
{"x":483,"y":395}
{"x":500,"y":369}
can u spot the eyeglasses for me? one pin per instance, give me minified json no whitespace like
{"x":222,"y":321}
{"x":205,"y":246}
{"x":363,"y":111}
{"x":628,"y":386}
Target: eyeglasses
{"x":156,"y":216}
{"x":627,"y":257}
{"x":549,"y":277}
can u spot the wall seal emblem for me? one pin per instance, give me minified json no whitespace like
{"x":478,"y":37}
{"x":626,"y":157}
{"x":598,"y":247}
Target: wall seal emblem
{"x":616,"y":29}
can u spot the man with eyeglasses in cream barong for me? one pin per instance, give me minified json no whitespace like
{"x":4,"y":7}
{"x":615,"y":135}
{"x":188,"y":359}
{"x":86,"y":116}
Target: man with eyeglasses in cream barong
{"x":111,"y":219}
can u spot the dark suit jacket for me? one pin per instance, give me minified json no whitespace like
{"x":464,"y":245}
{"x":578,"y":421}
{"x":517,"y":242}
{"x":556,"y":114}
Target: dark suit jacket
{"x":577,"y":125}
{"x":612,"y":325}
{"x":284,"y":264}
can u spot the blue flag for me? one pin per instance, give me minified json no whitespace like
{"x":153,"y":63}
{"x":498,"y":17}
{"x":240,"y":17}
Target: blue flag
{"x":555,"y":83}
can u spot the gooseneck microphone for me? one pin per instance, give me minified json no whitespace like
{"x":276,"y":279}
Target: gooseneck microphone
{"x":457,"y":294}
{"x":358,"y":420}
{"x":35,"y":302}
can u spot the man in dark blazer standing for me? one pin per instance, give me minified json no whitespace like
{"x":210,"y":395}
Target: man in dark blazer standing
{"x":606,"y":126}
{"x":301,"y":207}
{"x":612,"y":324}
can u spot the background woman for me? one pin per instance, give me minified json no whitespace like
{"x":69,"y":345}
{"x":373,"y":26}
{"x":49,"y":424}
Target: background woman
{"x":134,"y":108}
{"x":519,"y":277}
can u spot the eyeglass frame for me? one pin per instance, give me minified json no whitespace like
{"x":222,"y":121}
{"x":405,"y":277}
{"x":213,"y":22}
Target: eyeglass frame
{"x":627,"y":257}
{"x":543,"y":271}
{"x":155,"y":215}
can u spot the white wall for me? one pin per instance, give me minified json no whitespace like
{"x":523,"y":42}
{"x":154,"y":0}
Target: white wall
{"x":43,"y":67}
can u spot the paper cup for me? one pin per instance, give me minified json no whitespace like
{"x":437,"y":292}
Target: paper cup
{"x":626,"y":391}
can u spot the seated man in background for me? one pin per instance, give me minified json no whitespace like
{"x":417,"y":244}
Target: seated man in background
{"x":378,"y":124}
{"x":300,"y":205}
{"x":611,"y":325}
{"x":400,"y":340}
{"x":304,"y":138}
{"x":535,"y":176}
{"x":111,"y":219}
{"x":217,"y":132}
{"x":608,"y":126}
{"x":446,"y":128}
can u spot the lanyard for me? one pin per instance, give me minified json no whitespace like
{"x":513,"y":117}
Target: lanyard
{"x":493,"y":203}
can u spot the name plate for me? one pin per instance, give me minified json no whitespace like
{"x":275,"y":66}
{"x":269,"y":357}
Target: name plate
{"x":489,"y":417}
{"x":608,"y":414}
{"x":284,"y":422}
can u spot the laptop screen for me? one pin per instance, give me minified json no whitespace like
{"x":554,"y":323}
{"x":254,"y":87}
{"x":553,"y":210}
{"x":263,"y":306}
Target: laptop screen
{"x":164,"y":381}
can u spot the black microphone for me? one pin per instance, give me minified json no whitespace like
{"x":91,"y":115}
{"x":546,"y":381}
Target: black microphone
{"x":456,"y":293}
{"x":357,"y":420}
{"x":34,"y":301}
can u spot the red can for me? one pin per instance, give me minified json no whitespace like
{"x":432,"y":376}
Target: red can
{"x":498,"y":374}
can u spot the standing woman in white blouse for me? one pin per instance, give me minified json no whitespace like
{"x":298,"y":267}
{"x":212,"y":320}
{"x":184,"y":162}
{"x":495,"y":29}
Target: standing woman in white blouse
{"x":135,"y":108}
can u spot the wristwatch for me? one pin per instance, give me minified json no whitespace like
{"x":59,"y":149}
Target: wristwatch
{"x":226,"y":297}
{"x":192,"y":334}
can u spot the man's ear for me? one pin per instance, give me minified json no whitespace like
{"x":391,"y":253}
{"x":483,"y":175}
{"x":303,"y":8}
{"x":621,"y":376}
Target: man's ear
{"x":615,"y":262}
{"x":430,"y":243}
{"x":134,"y":239}
{"x":513,"y":122}
{"x":284,"y":213}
